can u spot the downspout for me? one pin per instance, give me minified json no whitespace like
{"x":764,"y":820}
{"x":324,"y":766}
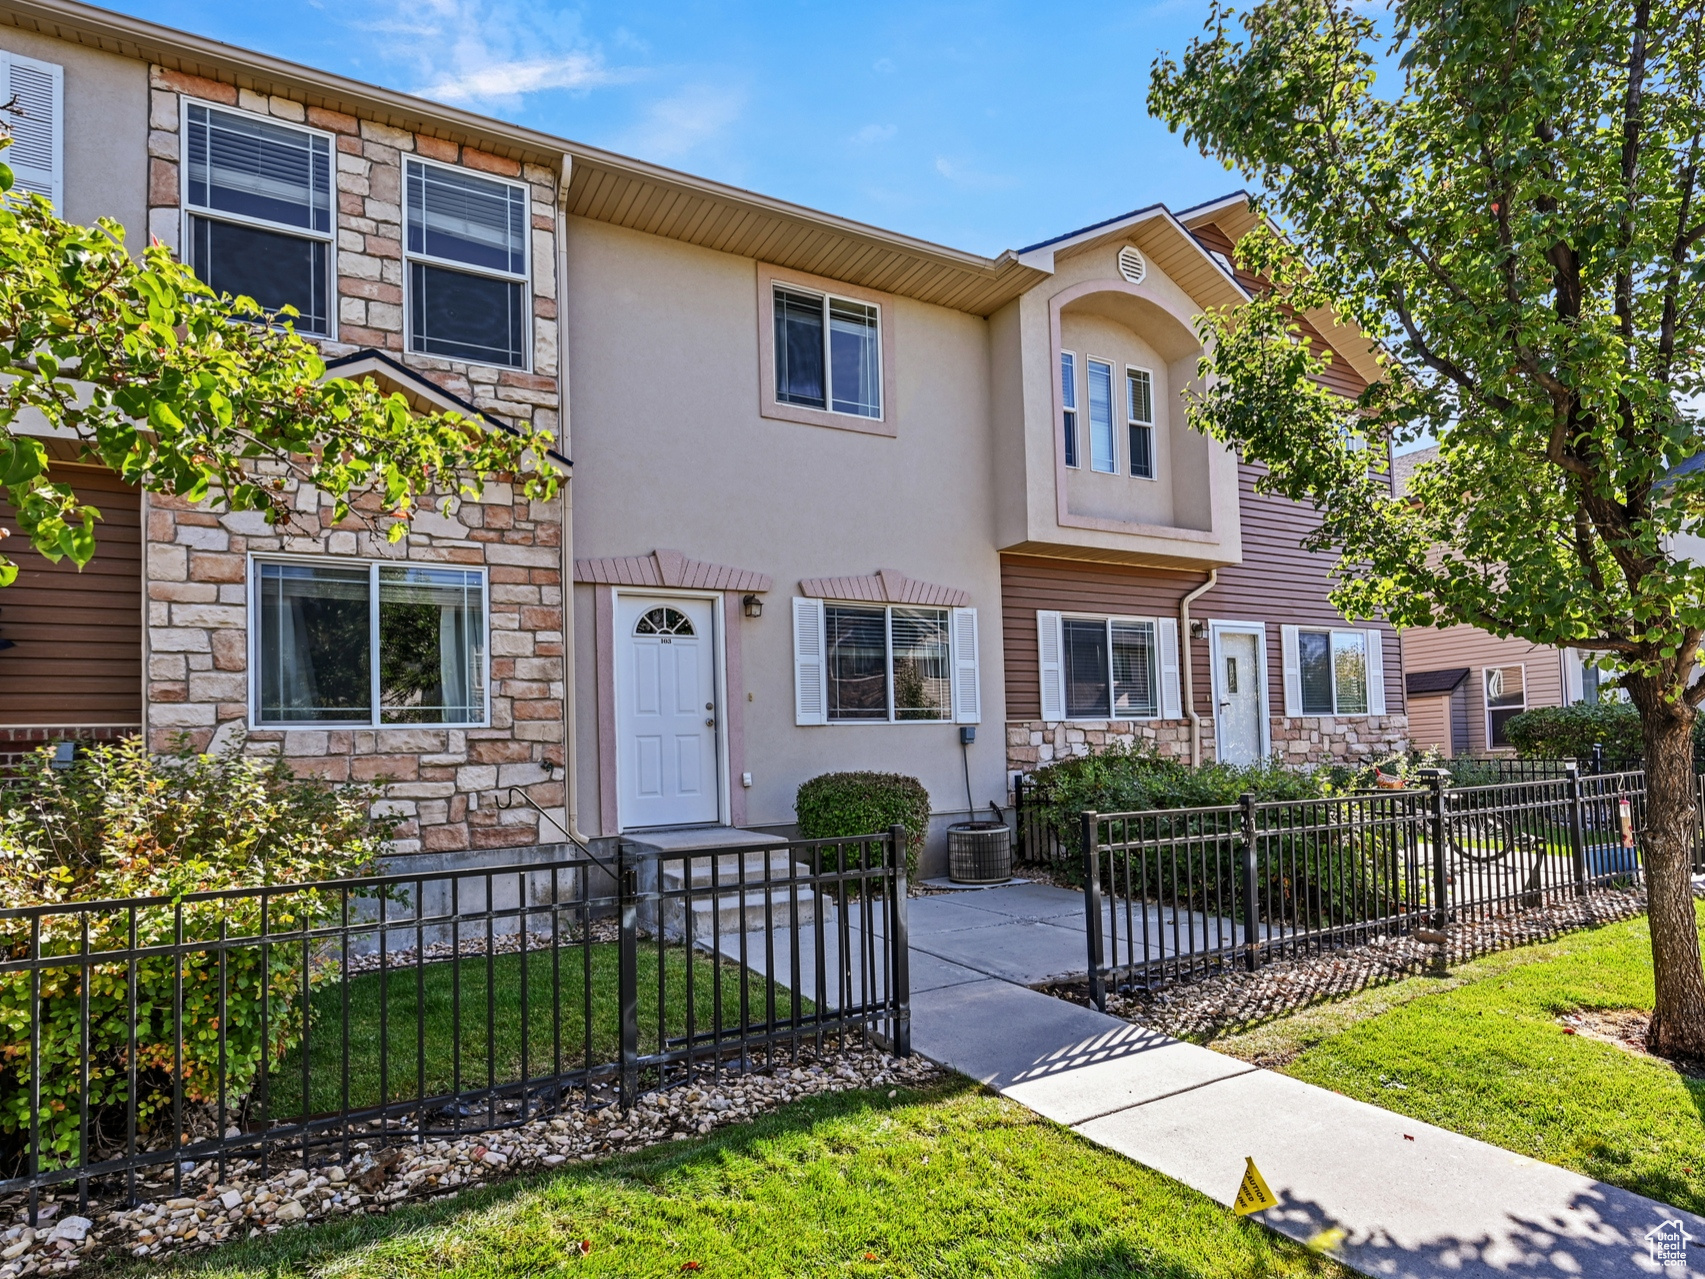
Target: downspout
{"x":1186,"y":659}
{"x":570,"y":668}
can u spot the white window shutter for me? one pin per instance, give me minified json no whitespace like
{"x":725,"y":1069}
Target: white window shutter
{"x":1048,"y":651}
{"x":1574,"y":685}
{"x":36,"y":155}
{"x":1166,"y":640}
{"x":1293,"y":671}
{"x":1376,"y":672}
{"x":810,"y":677}
{"x":967,"y":697}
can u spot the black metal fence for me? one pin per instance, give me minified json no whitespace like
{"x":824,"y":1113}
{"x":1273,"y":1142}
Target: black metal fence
{"x":1183,"y":892}
{"x":282,"y":1023}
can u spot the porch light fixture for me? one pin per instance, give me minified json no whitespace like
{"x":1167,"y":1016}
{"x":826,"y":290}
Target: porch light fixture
{"x":752,"y":606}
{"x":1198,"y":629}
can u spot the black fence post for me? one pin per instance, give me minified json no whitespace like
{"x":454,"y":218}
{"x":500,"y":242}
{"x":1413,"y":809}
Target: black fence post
{"x":1018,"y":817}
{"x":1598,"y":758}
{"x":1437,"y":801}
{"x":1251,"y":906}
{"x":1577,"y":832}
{"x":900,"y":940}
{"x":1092,"y":908}
{"x":627,"y":973}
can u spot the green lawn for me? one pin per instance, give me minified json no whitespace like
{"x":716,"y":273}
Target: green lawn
{"x":1481,"y":1052}
{"x":454,"y":1014}
{"x":946,"y":1182}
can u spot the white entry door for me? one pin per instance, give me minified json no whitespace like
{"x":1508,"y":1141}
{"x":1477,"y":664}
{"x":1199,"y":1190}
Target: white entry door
{"x":1238,"y":695}
{"x":666,"y":769}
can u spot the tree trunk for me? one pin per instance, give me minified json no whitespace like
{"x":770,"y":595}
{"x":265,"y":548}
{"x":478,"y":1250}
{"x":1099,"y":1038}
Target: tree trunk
{"x":1671,"y":831}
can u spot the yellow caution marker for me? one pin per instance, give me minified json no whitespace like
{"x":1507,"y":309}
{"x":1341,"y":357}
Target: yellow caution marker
{"x":1253,"y":1195}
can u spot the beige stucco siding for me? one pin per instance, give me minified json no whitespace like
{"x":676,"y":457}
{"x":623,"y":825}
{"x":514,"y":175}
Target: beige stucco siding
{"x":1430,"y":649}
{"x":671,"y":452}
{"x":106,"y":131}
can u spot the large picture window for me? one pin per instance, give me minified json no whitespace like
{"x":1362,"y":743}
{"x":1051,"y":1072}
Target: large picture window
{"x":259,"y":202}
{"x":467,"y":265}
{"x":368,"y":644}
{"x":828,"y":353}
{"x":1506,"y":697}
{"x":887,"y":663}
{"x":1110,"y":668}
{"x":1334,"y":672}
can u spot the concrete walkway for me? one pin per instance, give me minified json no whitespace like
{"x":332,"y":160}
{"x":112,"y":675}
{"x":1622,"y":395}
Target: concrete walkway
{"x":1409,"y":1199}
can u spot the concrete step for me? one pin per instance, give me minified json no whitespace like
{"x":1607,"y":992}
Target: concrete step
{"x":725,"y":914}
{"x":727,"y":869}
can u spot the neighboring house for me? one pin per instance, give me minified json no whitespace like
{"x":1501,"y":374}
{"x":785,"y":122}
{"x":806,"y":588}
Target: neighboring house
{"x":846,"y":496}
{"x":1465,"y":684}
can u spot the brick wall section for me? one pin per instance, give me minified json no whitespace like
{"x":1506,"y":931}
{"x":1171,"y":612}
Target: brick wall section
{"x":444,"y":781}
{"x":1313,"y":739}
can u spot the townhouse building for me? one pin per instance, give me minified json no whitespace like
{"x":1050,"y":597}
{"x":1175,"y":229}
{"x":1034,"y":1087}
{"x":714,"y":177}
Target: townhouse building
{"x":839,"y":498}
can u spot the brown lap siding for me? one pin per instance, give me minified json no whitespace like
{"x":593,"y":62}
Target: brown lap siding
{"x":1278,"y":583}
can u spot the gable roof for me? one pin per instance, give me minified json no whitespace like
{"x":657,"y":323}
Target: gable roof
{"x":1423,"y":683}
{"x":1163,"y":239}
{"x":422,"y":393}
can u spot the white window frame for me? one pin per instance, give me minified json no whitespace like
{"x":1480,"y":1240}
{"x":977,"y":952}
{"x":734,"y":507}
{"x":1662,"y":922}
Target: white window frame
{"x":1089,"y":362}
{"x":1486,"y":706}
{"x":376,"y":717}
{"x":828,"y":296}
{"x":1369,"y":668}
{"x":1113,"y":715}
{"x":189,"y":212}
{"x":1070,"y":408}
{"x":524,"y":277}
{"x":1130,"y":422}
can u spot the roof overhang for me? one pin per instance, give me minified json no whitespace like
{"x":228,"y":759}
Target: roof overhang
{"x":1434,"y":683}
{"x":1236,"y":216}
{"x":1163,"y":239}
{"x":422,"y":393}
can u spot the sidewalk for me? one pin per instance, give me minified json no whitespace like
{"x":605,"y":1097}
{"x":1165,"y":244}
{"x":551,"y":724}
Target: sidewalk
{"x":1410,"y":1199}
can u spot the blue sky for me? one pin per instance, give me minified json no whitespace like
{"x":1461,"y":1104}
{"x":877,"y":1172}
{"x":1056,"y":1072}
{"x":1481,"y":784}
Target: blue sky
{"x":984,"y":126}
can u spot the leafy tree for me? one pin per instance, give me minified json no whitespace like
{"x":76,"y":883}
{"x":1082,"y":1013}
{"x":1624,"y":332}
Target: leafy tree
{"x":1514,"y":209}
{"x":187,"y":393}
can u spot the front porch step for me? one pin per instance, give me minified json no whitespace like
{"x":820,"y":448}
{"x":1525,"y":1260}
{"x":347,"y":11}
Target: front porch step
{"x":686,"y":861}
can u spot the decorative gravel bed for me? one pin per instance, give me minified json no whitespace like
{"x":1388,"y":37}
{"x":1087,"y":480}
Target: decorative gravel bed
{"x":389,"y":1167}
{"x":1204,"y":1009}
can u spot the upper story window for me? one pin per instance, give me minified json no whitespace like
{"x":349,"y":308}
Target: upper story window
{"x":828,"y":353}
{"x":1139,"y":417}
{"x":258,"y":199}
{"x":1068,"y":405}
{"x":466,"y":248}
{"x":1101,"y":417}
{"x":36,"y":92}
{"x":1334,"y":669}
{"x":1506,"y":697}
{"x":367,"y":644}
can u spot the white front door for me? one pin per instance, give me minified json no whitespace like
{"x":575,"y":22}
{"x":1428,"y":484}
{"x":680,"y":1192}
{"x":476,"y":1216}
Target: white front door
{"x":666,"y":767}
{"x":1238,"y":695}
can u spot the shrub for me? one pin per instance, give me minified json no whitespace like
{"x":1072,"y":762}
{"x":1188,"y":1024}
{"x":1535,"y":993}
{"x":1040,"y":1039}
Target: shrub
{"x":841,"y":805}
{"x":124,"y":824}
{"x":1329,"y":877}
{"x":1570,"y":732}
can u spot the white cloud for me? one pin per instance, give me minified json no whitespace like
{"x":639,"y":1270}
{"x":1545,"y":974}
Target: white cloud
{"x":874,"y":133}
{"x":684,"y":121}
{"x":883,"y":66}
{"x":489,"y":52}
{"x":961,"y":175}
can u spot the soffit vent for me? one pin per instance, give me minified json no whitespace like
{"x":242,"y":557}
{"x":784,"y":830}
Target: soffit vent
{"x":1131,"y":265}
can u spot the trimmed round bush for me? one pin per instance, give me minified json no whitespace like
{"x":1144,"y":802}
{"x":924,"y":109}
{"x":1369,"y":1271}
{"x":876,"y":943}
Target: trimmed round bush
{"x":843,"y":805}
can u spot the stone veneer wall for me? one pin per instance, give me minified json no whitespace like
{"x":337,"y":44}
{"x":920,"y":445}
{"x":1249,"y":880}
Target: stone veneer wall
{"x":1313,"y":739}
{"x":444,"y":781}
